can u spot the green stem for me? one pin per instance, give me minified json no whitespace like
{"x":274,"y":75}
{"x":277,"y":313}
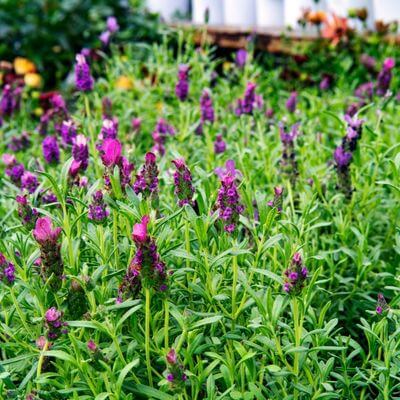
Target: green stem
{"x":115,"y":236}
{"x":297,"y":338}
{"x":40,"y":363}
{"x":147,"y":335}
{"x":234,"y":285}
{"x":166,"y":324}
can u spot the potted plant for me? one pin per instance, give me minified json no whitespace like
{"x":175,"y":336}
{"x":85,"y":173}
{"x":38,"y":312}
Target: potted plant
{"x":212,"y":10}
{"x":269,"y":13}
{"x":169,"y":9}
{"x":294,"y":9}
{"x":239,"y":12}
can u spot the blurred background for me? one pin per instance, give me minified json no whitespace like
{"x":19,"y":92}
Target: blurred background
{"x":51,"y":32}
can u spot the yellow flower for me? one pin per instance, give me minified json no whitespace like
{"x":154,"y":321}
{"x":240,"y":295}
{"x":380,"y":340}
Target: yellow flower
{"x":33,"y":80}
{"x":124,"y":83}
{"x":159,"y":106}
{"x":226,"y":66}
{"x":23,"y":66}
{"x":38,"y":111}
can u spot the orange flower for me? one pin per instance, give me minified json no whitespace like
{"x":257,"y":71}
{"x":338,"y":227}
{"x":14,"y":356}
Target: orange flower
{"x":33,"y":80}
{"x":316,"y":17}
{"x":23,"y":66}
{"x":124,"y":83}
{"x":335,"y":29}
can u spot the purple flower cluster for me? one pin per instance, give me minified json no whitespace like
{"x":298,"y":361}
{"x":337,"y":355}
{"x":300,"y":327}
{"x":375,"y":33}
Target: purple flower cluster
{"x":109,"y":129}
{"x":68,"y":131}
{"x":147,"y":179}
{"x":250,"y":101}
{"x":184,"y":189}
{"x":83,"y":79}
{"x":53,"y":322}
{"x":10,"y":100}
{"x":29,"y":182}
{"x":206,"y":107}
{"x":343,"y":154}
{"x":228,"y":201}
{"x":26,"y":213}
{"x":288,"y":160}
{"x":241,"y":58}
{"x":51,"y":151}
{"x":146,"y":268}
{"x":7,"y":271}
{"x":57,"y":113}
{"x":19,"y":143}
{"x":112,"y":28}
{"x":97,"y":209}
{"x":14,"y":170}
{"x":385,"y":77}
{"x":50,"y":251}
{"x":219,"y":144}
{"x":182,"y":86}
{"x":295,"y":275}
{"x":291,"y":102}
{"x":80,"y":154}
{"x":160,"y":134}
{"x":175,"y":373}
{"x":365,"y":92}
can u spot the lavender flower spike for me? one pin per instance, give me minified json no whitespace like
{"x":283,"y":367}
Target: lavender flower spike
{"x":83,"y":79}
{"x":184,"y":189}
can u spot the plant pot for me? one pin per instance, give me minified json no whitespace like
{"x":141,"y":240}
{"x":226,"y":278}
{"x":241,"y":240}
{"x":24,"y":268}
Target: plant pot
{"x":294,"y":9}
{"x":239,"y":12}
{"x":342,"y":7}
{"x":269,"y":13}
{"x":168,"y":9}
{"x":215,"y":11}
{"x":387,"y":10}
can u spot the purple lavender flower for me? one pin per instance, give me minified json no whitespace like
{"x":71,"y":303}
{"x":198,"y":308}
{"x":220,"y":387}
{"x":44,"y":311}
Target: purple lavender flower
{"x":112,"y":24}
{"x":29,"y":182}
{"x":206,"y":107}
{"x":368,"y":62}
{"x":50,"y":251}
{"x":68,"y":131}
{"x":83,"y":79}
{"x":184,"y":189}
{"x":250,"y":101}
{"x":182,"y":86}
{"x":19,"y":143}
{"x":7,"y":271}
{"x":343,"y":160}
{"x":354,"y":132}
{"x":49,"y":198}
{"x":53,"y":322}
{"x":241,"y":58}
{"x":13,"y":169}
{"x":146,"y":268}
{"x":365,"y":91}
{"x":51,"y":151}
{"x":109,"y":129}
{"x":295,"y":275}
{"x":325,"y":83}
{"x":288,"y":160}
{"x":10,"y":100}
{"x":80,"y":153}
{"x":219,"y":144}
{"x":160,"y":134}
{"x":384,"y":77}
{"x":228,"y":201}
{"x":97,"y":209}
{"x":136,"y":124}
{"x":291,"y":103}
{"x":125,"y":171}
{"x":175,"y":371}
{"x":147,"y":180}
{"x":26,"y":213}
{"x":105,"y":38}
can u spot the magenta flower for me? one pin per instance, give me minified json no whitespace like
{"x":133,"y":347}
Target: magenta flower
{"x":139,"y":233}
{"x":112,"y":24}
{"x":51,"y":151}
{"x":171,"y":357}
{"x":44,"y":232}
{"x":111,"y":152}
